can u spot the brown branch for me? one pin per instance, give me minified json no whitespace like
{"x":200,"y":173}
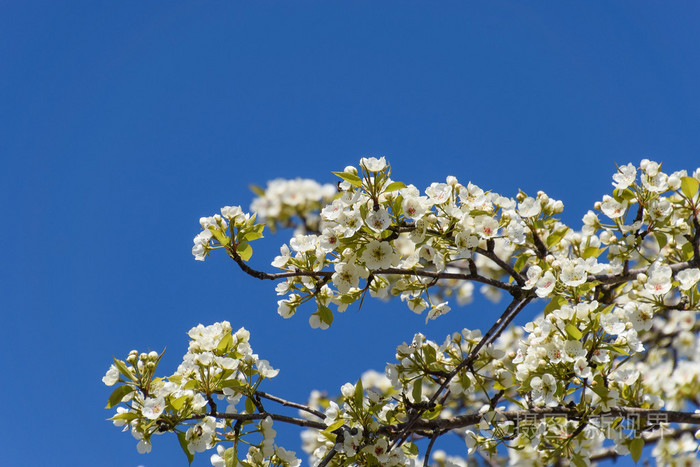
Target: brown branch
{"x":504,"y":265}
{"x":631,"y":275}
{"x":649,"y":438}
{"x":326,"y":460}
{"x":426,"y":460}
{"x":326,"y":275}
{"x":463,"y":421}
{"x":287,"y":403}
{"x":696,"y":241}
{"x":244,"y":417}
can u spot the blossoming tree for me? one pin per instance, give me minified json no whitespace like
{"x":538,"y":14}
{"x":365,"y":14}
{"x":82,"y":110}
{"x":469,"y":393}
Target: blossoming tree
{"x":610,"y":366}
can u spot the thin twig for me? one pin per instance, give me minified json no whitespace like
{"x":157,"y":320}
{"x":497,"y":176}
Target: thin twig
{"x":287,"y":403}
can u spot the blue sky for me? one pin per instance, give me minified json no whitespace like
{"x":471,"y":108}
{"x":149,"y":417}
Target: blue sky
{"x":124,"y":122}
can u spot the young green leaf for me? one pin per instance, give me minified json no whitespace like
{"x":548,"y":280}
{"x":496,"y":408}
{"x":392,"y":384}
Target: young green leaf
{"x":689,"y":186}
{"x":636,"y":446}
{"x":244,"y":250}
{"x":394,"y":186}
{"x":182,"y":438}
{"x":118,"y":394}
{"x":359,"y":392}
{"x":225,"y":343}
{"x":350,"y":178}
{"x":325,"y":314}
{"x":573,"y":332}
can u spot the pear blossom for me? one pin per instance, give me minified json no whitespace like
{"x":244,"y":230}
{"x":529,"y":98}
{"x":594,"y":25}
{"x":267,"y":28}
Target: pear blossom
{"x":379,"y":220}
{"x":659,"y":282}
{"x":303,"y":243}
{"x":111,"y":377}
{"x":688,"y":278}
{"x":437,"y":310}
{"x":153,"y":407}
{"x":613,"y":208}
{"x":347,"y":275}
{"x":625,"y":176}
{"x":378,"y":255}
{"x":545,"y":285}
{"x":200,"y":437}
{"x":373,"y":164}
{"x":529,"y":207}
{"x":486,"y":226}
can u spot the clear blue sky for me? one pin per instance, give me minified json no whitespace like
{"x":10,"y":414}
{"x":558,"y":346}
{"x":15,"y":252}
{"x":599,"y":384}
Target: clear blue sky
{"x":124,"y":122}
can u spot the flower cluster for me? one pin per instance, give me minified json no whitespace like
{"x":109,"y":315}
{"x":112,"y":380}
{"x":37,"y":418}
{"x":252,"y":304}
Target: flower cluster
{"x":292,"y":203}
{"x":612,"y":361}
{"x":219,"y":364}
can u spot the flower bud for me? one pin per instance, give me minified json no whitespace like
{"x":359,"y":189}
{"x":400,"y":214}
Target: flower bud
{"x":350,"y":170}
{"x":153,"y":355}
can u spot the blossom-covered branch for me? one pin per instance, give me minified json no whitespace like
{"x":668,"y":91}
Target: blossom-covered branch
{"x":612,"y":361}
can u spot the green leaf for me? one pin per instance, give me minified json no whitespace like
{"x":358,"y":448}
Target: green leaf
{"x":250,"y":236}
{"x":225,"y":343}
{"x":578,"y":461}
{"x":556,"y":236}
{"x":687,"y":250}
{"x":573,"y":332}
{"x":592,"y":252}
{"x":257,"y":190}
{"x":232,"y":383}
{"x":222,"y":238}
{"x":636,"y":447}
{"x":182,"y":438}
{"x":244,"y":250}
{"x":621,"y":195}
{"x":359,"y":393}
{"x":179,"y":403}
{"x":417,"y":391}
{"x":126,"y":416}
{"x":661,"y":238}
{"x":429,"y":354}
{"x":334,"y":426}
{"x":249,"y":405}
{"x":618,"y":349}
{"x":325,"y":314}
{"x":601,"y":390}
{"x":394,"y":186}
{"x":521,"y":262}
{"x":118,"y":394}
{"x":230,"y":457}
{"x":554,"y":304}
{"x":689,"y":186}
{"x":121,"y":366}
{"x":432,"y":414}
{"x":350,"y":178}
{"x":191,"y":384}
{"x":410,"y":449}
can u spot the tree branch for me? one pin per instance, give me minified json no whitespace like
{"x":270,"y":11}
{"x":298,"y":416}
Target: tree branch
{"x":287,"y":403}
{"x":261,"y":416}
{"x":463,"y":421}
